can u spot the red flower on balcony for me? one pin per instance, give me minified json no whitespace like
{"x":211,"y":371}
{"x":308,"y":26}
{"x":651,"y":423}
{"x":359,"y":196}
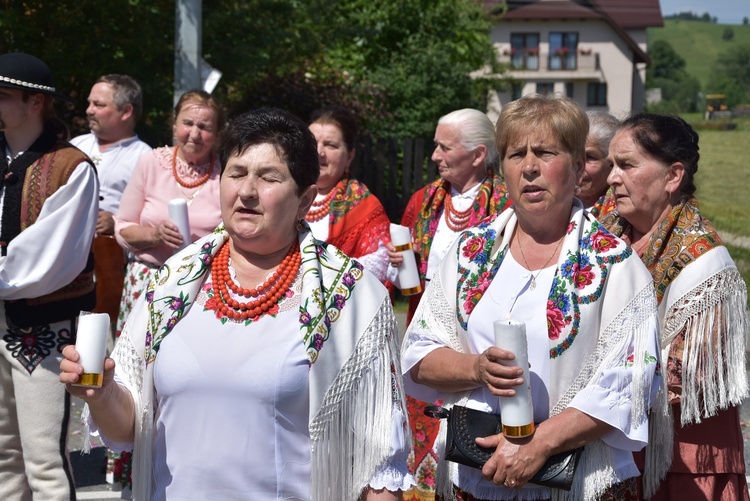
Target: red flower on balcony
{"x":585,"y":52}
{"x":532,"y":50}
{"x":561,"y":51}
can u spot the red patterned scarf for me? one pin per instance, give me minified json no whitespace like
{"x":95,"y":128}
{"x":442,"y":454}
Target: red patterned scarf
{"x":357,"y":219}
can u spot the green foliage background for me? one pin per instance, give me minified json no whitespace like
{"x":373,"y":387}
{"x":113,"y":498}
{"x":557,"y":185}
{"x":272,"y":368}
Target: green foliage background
{"x":719,"y":64}
{"x":399,"y":64}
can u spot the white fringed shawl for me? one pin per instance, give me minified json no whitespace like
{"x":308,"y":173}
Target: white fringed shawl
{"x":707,"y":302}
{"x":355,"y":386}
{"x":627,"y":311}
{"x":701,"y":295}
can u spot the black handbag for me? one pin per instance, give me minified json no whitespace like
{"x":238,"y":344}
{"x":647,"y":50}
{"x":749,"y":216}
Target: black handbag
{"x":465,"y":424}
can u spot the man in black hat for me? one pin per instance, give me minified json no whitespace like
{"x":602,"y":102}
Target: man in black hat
{"x":48,"y":210}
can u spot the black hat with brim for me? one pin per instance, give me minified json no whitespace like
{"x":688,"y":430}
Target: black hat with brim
{"x":26,"y":72}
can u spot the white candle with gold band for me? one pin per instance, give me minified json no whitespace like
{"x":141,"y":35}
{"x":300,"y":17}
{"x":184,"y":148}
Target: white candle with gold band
{"x":516,"y":412}
{"x":91,"y":345}
{"x":178,"y":213}
{"x":408,"y":275}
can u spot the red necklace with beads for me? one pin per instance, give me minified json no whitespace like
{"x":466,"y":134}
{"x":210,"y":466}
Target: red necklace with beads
{"x":190,"y":184}
{"x":322,"y":207}
{"x":456,"y":220}
{"x":266,"y":295}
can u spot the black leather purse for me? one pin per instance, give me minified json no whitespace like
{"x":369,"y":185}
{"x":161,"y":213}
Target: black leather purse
{"x":465,"y":424}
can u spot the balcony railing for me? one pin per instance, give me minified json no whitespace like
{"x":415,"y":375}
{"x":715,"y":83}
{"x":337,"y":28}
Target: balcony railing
{"x":536,"y":61}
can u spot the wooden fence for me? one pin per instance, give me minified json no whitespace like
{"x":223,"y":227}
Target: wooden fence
{"x":394,"y":169}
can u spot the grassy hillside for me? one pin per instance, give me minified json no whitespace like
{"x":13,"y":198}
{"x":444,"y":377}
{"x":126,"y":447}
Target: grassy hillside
{"x":698,"y":43}
{"x":723,"y":190}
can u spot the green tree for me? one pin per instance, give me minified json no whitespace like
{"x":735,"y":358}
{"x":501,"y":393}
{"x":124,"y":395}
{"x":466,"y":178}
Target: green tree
{"x":421,"y":52}
{"x":731,"y":75}
{"x":667,"y":71}
{"x":728,"y":34}
{"x":81,"y":40}
{"x":398,"y":64}
{"x":665,"y":62}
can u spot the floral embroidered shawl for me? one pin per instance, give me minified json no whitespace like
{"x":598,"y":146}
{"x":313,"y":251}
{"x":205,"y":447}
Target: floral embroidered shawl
{"x":703,"y":313}
{"x":586,"y":328}
{"x":357,"y":221}
{"x":489,"y":202}
{"x":349,"y":330}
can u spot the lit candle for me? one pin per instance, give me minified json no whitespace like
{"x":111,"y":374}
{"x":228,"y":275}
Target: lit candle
{"x":408,"y":275}
{"x":516,"y":412}
{"x":178,"y":213}
{"x":91,"y":345}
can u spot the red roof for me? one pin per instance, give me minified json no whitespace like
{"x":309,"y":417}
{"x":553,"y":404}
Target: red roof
{"x":627,"y":14}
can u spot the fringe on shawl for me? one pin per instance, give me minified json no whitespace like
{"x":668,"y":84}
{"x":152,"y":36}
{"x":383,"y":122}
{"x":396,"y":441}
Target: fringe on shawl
{"x":131,"y":368}
{"x":713,"y":317}
{"x":351,"y":434}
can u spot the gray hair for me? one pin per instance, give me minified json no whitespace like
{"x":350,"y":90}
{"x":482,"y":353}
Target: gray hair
{"x":126,"y":91}
{"x":602,"y":128}
{"x":475,"y":128}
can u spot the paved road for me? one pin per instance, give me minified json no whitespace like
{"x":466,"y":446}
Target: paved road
{"x":89,"y":468}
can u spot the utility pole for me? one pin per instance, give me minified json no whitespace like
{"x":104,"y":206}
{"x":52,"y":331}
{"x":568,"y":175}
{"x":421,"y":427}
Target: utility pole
{"x":188,"y":40}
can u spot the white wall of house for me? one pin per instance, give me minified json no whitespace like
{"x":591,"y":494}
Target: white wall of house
{"x":625,"y":81}
{"x":639,"y":76}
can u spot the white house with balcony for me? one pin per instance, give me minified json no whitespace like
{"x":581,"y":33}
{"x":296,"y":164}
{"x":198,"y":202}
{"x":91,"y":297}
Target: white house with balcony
{"x":594,"y":52}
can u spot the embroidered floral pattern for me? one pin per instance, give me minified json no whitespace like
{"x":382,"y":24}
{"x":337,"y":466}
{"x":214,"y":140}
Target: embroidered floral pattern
{"x":422,"y":461}
{"x":323,"y":307}
{"x":137,"y":276}
{"x":648,"y":358}
{"x":579,"y":278}
{"x":475,"y":278}
{"x":205,"y":258}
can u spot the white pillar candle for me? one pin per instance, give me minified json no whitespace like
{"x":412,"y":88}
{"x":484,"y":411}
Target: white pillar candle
{"x":91,"y":345}
{"x":178,"y":213}
{"x":408,"y":275}
{"x":516,"y":412}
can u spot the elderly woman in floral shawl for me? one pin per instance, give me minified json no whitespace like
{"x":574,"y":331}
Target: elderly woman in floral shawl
{"x":702,"y":303}
{"x":469,"y":189}
{"x":590,"y":316}
{"x":261,"y":363}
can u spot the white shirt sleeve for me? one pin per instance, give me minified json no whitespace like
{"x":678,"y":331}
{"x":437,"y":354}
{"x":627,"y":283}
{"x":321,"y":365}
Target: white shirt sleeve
{"x":377,"y":262}
{"x":50,"y":253}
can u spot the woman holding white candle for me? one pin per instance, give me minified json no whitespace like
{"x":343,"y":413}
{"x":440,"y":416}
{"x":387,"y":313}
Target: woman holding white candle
{"x":272,"y":372}
{"x":188,"y":171}
{"x":469,"y":189}
{"x":589,"y":313}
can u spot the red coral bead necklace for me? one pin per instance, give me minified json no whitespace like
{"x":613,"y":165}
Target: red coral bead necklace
{"x":191,"y":184}
{"x":266,"y":294}
{"x":322,"y":207}
{"x":456,"y":220}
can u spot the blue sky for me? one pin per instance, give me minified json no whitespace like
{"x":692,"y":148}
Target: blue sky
{"x":728,"y":11}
